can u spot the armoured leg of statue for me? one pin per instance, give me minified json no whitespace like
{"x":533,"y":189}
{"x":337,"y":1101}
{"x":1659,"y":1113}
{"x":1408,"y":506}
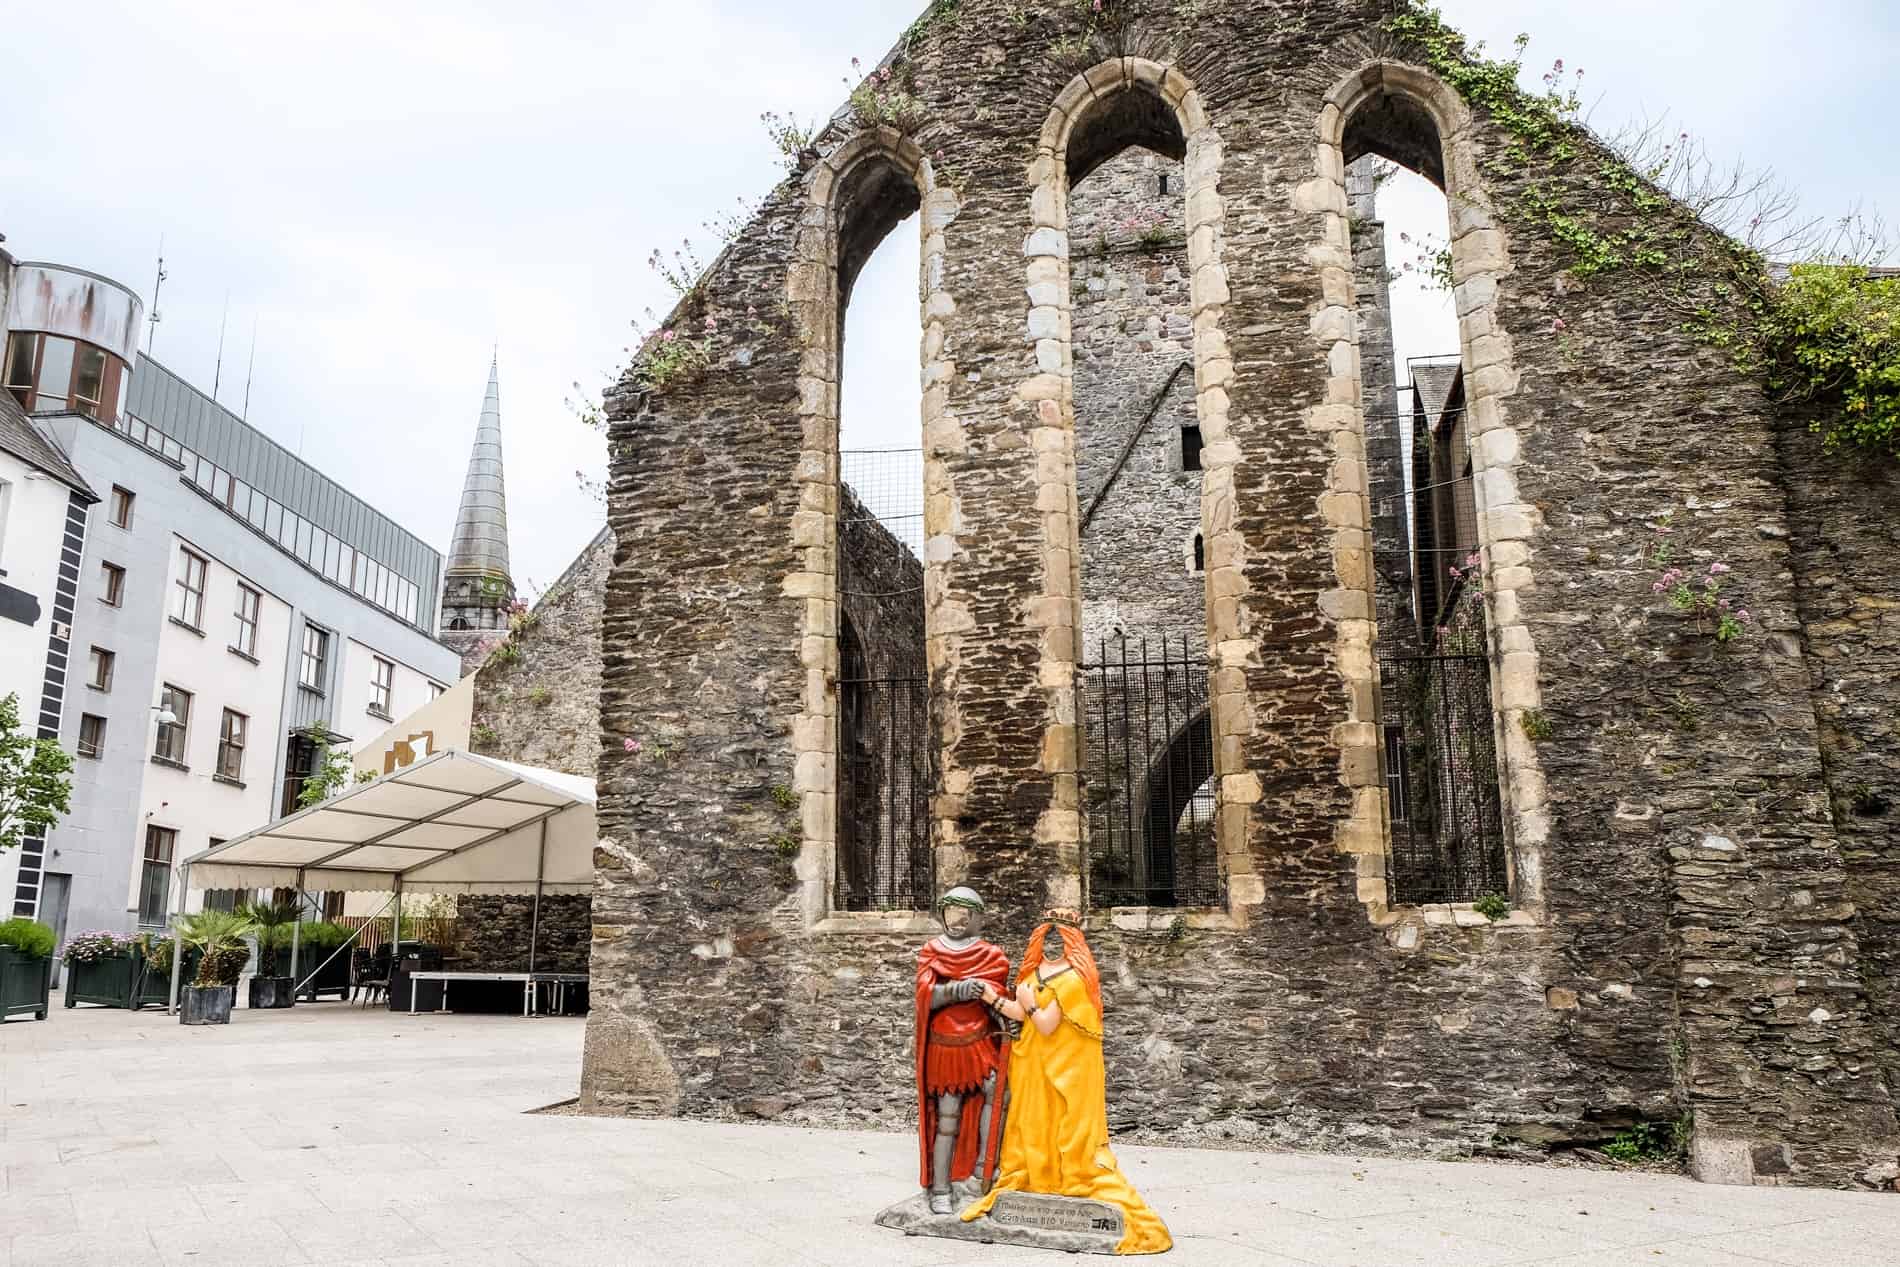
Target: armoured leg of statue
{"x":974,"y":1187}
{"x":949,"y":1117}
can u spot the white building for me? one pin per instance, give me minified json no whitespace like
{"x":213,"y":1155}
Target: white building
{"x":233,"y":606}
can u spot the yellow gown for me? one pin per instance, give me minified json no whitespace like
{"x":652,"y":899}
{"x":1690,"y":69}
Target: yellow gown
{"x":1055,"y":1139}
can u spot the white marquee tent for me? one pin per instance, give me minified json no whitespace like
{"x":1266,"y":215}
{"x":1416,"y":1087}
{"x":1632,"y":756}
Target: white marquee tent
{"x":454,"y":822}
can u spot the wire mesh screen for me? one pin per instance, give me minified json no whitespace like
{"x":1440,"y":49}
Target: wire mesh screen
{"x":1442,"y":773}
{"x":1148,"y":776}
{"x":884,"y":860}
{"x":889,"y":485}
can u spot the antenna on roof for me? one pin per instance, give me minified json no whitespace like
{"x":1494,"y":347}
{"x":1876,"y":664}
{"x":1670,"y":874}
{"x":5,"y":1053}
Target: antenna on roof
{"x":248,"y":370}
{"x":217,"y":371}
{"x":153,"y":320}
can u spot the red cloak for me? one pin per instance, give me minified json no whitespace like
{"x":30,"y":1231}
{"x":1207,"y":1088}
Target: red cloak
{"x":957,"y":1045}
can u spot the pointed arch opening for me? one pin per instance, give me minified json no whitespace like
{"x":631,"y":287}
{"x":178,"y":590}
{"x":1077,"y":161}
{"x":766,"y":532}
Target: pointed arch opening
{"x":865,"y":738}
{"x":1127,"y":292}
{"x":1431,"y":543}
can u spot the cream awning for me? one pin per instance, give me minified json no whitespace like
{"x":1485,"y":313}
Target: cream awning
{"x":451,"y":823}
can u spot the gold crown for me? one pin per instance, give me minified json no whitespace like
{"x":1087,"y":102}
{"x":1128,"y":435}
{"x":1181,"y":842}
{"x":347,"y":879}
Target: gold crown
{"x":1063,"y":915}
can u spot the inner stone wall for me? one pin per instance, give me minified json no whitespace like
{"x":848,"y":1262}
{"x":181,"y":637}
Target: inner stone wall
{"x":1687,"y":942}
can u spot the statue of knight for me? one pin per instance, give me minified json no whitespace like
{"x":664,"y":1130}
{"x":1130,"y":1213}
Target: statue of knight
{"x":961,"y":1073}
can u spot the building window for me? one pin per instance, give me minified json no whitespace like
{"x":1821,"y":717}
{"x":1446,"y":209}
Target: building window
{"x":231,"y":746}
{"x":23,"y":350}
{"x":436,"y":689}
{"x":89,"y":380}
{"x":101,"y":679}
{"x":121,"y":507}
{"x":56,"y":373}
{"x":1199,"y":564}
{"x":381,"y":687}
{"x":92,"y":735}
{"x":1162,"y":187}
{"x":249,"y":600}
{"x":6,"y":500}
{"x":191,"y":589}
{"x":112,"y":579}
{"x":171,"y":738}
{"x":316,"y":653}
{"x":1191,"y":448}
{"x":155,"y":882}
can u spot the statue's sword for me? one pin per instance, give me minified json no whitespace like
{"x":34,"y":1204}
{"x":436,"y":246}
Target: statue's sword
{"x":997,"y":1097}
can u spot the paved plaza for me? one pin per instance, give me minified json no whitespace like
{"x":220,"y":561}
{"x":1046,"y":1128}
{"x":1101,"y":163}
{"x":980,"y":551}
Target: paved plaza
{"x":338,"y":1136}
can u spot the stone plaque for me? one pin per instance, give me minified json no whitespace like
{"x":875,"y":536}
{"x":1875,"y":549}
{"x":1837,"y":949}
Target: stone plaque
{"x":1057,"y":1214}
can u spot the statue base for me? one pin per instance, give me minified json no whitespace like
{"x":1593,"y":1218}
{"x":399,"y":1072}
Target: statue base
{"x":1069,"y":1224}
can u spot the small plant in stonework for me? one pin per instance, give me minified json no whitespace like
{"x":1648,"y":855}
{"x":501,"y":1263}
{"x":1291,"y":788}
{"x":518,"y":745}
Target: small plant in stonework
{"x":1650,"y":1142}
{"x":482,"y":735}
{"x":792,"y":140}
{"x":886,"y":98}
{"x":1177,"y":928}
{"x":1703,"y":593}
{"x":506,"y":654}
{"x":784,"y":797}
{"x":539,"y":696}
{"x":785,"y":844}
{"x":1493,"y":906}
{"x":1536,"y":725}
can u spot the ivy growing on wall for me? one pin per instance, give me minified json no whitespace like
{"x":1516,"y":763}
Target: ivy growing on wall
{"x":1827,"y":335}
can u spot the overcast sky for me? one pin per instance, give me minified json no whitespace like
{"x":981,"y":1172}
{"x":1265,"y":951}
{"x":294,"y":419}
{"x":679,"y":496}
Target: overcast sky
{"x":386,"y":190}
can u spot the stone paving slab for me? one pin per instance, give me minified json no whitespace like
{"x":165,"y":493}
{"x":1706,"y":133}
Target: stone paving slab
{"x":340,"y":1136}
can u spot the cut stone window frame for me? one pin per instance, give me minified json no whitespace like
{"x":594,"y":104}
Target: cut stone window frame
{"x":850,"y":193}
{"x":1405,"y":105}
{"x":1118,"y":103}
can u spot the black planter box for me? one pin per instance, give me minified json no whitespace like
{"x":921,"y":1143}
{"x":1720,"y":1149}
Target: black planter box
{"x":332,"y":975}
{"x":108,"y":982}
{"x":25,"y":982}
{"x":206,"y":1004}
{"x":271,"y":992}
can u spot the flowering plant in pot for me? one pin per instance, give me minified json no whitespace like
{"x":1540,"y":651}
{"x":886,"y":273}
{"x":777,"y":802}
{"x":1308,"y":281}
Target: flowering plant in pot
{"x":100,"y":968}
{"x":272,"y":983}
{"x":26,"y":968}
{"x":219,"y":937}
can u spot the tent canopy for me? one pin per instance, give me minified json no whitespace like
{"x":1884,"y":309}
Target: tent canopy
{"x":451,"y":823}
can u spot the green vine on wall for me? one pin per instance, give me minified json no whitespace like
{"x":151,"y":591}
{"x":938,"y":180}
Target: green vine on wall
{"x":1828,"y":336}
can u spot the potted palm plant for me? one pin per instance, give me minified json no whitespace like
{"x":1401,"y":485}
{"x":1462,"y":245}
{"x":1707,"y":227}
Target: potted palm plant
{"x":26,"y":968}
{"x":271,"y":985}
{"x":219,"y":937}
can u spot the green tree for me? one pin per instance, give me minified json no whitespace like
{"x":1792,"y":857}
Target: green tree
{"x":35,"y":783}
{"x":332,"y":771}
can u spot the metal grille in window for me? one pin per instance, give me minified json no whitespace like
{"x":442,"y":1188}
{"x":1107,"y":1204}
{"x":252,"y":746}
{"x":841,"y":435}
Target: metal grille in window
{"x":1442,"y":771}
{"x":885,"y":739}
{"x":1148,"y":776}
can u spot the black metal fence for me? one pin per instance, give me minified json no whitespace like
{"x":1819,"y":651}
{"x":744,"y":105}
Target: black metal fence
{"x":1441,"y":772}
{"x":1148,"y":776}
{"x":884,"y":856}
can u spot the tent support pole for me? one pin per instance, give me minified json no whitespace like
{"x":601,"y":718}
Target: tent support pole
{"x":540,"y":870}
{"x":296,"y":933}
{"x":395,"y":926}
{"x":347,"y":944}
{"x":178,"y":936}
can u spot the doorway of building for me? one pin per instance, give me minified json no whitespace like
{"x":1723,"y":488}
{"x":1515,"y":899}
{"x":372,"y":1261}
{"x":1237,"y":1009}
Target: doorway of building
{"x":55,"y":897}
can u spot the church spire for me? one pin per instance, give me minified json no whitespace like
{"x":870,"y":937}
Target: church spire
{"x":477,"y":587}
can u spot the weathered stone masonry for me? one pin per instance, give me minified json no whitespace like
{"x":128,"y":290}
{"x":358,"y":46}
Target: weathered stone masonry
{"x":1686,"y":936}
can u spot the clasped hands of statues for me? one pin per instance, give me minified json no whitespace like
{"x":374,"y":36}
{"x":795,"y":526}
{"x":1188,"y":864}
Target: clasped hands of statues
{"x":1015,"y":1009}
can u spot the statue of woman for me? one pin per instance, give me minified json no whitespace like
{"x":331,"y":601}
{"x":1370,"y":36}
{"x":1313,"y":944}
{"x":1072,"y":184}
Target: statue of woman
{"x":1055,"y":1137}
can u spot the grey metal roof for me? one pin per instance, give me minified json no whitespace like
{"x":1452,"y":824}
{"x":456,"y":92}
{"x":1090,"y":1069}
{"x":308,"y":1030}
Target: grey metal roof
{"x":166,"y":401}
{"x":27,"y":442}
{"x":480,"y":543}
{"x":1432,"y":385}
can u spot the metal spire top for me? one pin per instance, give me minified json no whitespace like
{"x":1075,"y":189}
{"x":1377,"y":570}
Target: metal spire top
{"x":480,"y":543}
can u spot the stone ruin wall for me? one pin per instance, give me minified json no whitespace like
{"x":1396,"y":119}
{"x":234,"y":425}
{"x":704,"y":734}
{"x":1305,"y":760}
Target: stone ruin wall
{"x":1133,"y":327}
{"x":1685,"y":937}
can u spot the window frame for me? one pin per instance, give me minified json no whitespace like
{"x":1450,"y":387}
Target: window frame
{"x":114,"y":595}
{"x":1192,"y":444}
{"x":382,"y":687}
{"x":321,"y":658}
{"x":231,"y":740}
{"x":163,"y":746}
{"x":94,"y":748}
{"x":122,"y":499}
{"x":191,"y":597}
{"x":100,"y":662}
{"x":161,"y":848}
{"x":246,"y":644}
